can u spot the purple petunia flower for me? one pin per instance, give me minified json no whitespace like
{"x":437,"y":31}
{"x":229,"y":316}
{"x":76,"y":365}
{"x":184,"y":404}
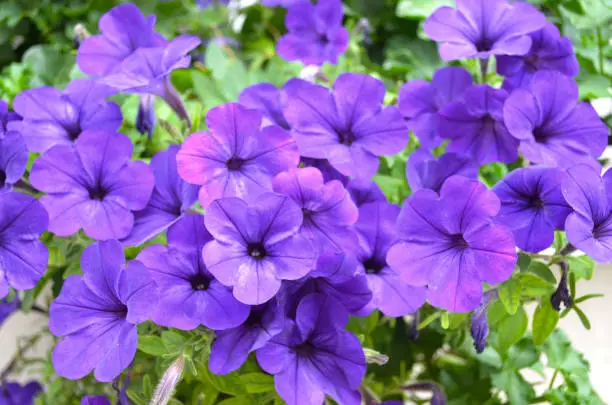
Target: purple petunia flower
{"x":123,"y":30}
{"x":171,"y":199}
{"x":8,"y":119}
{"x":23,"y":258}
{"x":425,"y":171}
{"x":235,"y":158}
{"x":336,"y":275}
{"x":326,"y":169}
{"x":231,"y":347}
{"x":377,"y":232}
{"x":483,"y":28}
{"x":589,"y":226}
{"x":475,"y":126}
{"x":13,"y":160}
{"x":257,"y":246}
{"x":421,"y":101}
{"x":532,"y":205}
{"x":328,"y":209}
{"x":97,"y":400}
{"x":8,"y":308}
{"x":450,"y":243}
{"x":549,"y":51}
{"x":267,"y":99}
{"x":93,"y":185}
{"x":97,"y":314}
{"x":553,"y":128}
{"x":314,"y":356}
{"x":192,"y":296}
{"x":145,"y":117}
{"x":282,"y":3}
{"x":365,"y":191}
{"x":16,"y":394}
{"x":349,"y":126}
{"x":51,"y":117}
{"x":316,"y":34}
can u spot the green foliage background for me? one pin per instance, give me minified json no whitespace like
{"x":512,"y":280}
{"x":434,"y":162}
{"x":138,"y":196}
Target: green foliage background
{"x":36,"y":49}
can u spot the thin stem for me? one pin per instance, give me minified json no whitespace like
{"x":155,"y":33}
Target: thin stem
{"x":600,"y":50}
{"x":552,"y":381}
{"x":484,"y":68}
{"x":567,"y":250}
{"x":26,"y":187}
{"x":174,"y":100}
{"x":40,"y":310}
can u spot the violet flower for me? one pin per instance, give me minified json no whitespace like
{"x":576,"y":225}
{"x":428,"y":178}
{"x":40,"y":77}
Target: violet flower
{"x":553,"y":127}
{"x":235,"y":158}
{"x":316,"y":34}
{"x":365,"y":191}
{"x":451,"y":244}
{"x":257,"y":246}
{"x":97,"y":400}
{"x":421,"y":101}
{"x":326,"y":169}
{"x":475,"y":126}
{"x":231,"y":347}
{"x":479,"y":325}
{"x":483,"y":28}
{"x":267,"y":99}
{"x":425,"y":171}
{"x":192,"y":296}
{"x":13,"y":160}
{"x":327,"y":208}
{"x":8,"y":119}
{"x":377,"y":233}
{"x":549,"y":51}
{"x":171,"y":199}
{"x":348,"y":126}
{"x":97,"y":313}
{"x":7,"y":308}
{"x":51,"y":117}
{"x":146,"y":118}
{"x":532,"y":205}
{"x":13,"y":393}
{"x":314,"y":356}
{"x":282,"y":3}
{"x":93,"y":185}
{"x":589,"y":226}
{"x":23,"y":258}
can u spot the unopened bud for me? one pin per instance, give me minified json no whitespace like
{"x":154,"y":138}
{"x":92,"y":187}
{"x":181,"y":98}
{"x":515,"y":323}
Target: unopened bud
{"x":80,"y":34}
{"x":168,"y":382}
{"x":374,"y":357}
{"x":146,"y":119}
{"x":480,"y":326}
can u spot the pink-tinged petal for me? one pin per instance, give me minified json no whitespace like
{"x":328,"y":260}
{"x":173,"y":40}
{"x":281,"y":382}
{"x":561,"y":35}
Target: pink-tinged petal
{"x":202,"y":158}
{"x":393,"y":296}
{"x":255,"y":282}
{"x":104,"y":220}
{"x":120,"y":356}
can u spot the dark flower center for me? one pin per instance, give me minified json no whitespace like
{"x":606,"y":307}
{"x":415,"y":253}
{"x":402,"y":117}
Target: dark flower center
{"x":305,"y":349}
{"x":98,"y":193}
{"x":458,"y":241}
{"x":535,"y":202}
{"x":254,"y":318}
{"x":234,"y":163}
{"x":484,"y":44}
{"x":374,"y":265}
{"x":540,"y":136}
{"x":73,"y":129}
{"x":257,"y":251}
{"x":2,"y":178}
{"x":199,"y":282}
{"x":306,"y":213}
{"x":346,"y":137}
{"x":323,"y":40}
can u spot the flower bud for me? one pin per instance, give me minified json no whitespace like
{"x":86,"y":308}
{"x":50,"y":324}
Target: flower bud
{"x":480,"y":326}
{"x":146,"y":119}
{"x":168,"y":382}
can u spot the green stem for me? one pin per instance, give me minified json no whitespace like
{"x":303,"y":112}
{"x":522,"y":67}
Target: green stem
{"x":484,"y":68}
{"x":552,"y":381}
{"x":600,"y":50}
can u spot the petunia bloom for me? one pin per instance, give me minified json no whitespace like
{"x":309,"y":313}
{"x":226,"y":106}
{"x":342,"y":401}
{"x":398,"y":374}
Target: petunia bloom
{"x":267,"y":99}
{"x":549,"y":51}
{"x":589,"y":226}
{"x":532,"y":205}
{"x":51,"y":117}
{"x":192,"y":296}
{"x":364,"y":191}
{"x":553,"y":128}
{"x":231,"y":347}
{"x":451,"y":244}
{"x":282,"y":3}
{"x":326,"y":169}
{"x":316,"y":34}
{"x":93,"y":185}
{"x":15,"y":393}
{"x":348,"y":126}
{"x":8,"y":119}
{"x":483,"y":28}
{"x":123,"y":30}
{"x":97,"y":313}
{"x":97,"y":400}
{"x":235,"y":158}
{"x":257,"y":246}
{"x":328,"y":208}
{"x":145,"y":117}
{"x":475,"y":126}
{"x":421,"y":101}
{"x":13,"y":160}
{"x":23,"y":258}
{"x":377,"y":233}
{"x":171,"y":199}
{"x":7,"y":308}
{"x":314,"y":356}
{"x":425,"y":171}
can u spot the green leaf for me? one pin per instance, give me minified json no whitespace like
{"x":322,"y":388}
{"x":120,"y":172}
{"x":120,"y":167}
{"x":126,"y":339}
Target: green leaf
{"x":587,"y":297}
{"x":542,"y":270}
{"x":583,"y":318}
{"x":523,"y":261}
{"x":581,"y":266}
{"x":236,"y":401}
{"x":593,"y":86}
{"x":152,"y":345}
{"x":49,"y":65}
{"x":560,"y":241}
{"x":519,"y":391}
{"x":444,"y":321}
{"x":545,"y":319}
{"x":227,"y":384}
{"x":257,"y":383}
{"x":173,"y":341}
{"x":510,"y":295}
{"x":535,"y":286}
{"x":511,"y":329}
{"x":206,"y":89}
{"x":523,"y":354}
{"x":429,"y":320}
{"x":419,"y":8}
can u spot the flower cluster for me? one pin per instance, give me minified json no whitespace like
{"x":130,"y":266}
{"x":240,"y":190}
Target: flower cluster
{"x":295,"y":235}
